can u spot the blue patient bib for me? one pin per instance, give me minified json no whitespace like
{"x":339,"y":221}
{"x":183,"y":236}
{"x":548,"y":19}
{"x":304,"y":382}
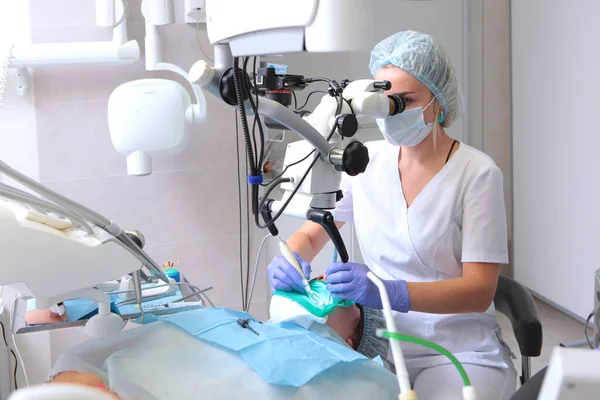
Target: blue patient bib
{"x":281,"y":353}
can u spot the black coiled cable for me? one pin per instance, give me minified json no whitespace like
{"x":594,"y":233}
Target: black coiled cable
{"x":243,"y":116}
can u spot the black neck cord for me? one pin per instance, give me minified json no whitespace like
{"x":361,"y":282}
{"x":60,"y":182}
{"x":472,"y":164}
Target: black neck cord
{"x":450,"y":152}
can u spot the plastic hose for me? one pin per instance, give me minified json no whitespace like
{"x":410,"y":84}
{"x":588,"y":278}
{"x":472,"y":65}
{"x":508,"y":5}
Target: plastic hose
{"x":431,"y":345}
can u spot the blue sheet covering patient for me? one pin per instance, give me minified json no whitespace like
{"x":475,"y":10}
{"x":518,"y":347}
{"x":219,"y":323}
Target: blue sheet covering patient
{"x":206,"y":354}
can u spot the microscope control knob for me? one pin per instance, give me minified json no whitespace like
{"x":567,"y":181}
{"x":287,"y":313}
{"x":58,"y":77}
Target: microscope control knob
{"x":355,"y":158}
{"x":383,"y":85}
{"x":347,"y":125}
{"x":201,"y":73}
{"x":227,"y":87}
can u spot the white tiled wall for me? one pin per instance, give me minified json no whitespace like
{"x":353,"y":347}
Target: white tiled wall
{"x":18,"y":142}
{"x":497,"y":92}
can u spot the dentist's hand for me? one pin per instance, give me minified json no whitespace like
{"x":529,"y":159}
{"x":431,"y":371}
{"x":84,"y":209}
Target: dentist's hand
{"x":283,"y":276}
{"x":350,"y":282}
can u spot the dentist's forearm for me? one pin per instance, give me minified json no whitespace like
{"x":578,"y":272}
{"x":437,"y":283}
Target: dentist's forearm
{"x":309,"y":240}
{"x":472,"y":293}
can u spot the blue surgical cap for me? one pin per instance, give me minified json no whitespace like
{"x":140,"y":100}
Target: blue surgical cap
{"x":423,"y":57}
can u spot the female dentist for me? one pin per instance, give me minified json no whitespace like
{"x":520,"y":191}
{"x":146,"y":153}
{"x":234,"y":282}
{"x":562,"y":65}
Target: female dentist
{"x":430,"y":219}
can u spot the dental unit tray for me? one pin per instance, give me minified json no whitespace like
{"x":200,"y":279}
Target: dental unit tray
{"x":61,"y":249}
{"x":176,"y":303}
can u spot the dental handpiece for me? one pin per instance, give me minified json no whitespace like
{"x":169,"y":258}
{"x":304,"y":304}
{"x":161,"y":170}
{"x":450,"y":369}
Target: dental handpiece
{"x":289,"y":256}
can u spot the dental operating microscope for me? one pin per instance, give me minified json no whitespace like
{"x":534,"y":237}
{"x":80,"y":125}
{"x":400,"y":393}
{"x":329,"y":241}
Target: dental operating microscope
{"x":313,"y":167}
{"x":312,"y":196}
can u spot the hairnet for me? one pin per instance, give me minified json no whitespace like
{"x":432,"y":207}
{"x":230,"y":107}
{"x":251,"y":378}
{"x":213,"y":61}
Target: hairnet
{"x":423,"y":57}
{"x":370,"y":345}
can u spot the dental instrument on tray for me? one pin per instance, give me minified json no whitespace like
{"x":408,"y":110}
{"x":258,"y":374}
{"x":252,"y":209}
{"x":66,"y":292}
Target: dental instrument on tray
{"x":173,"y":305}
{"x":195,"y":292}
{"x":149,"y":290}
{"x":81,"y":310}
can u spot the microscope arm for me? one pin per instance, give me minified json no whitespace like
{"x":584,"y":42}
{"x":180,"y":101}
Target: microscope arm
{"x":308,"y":195}
{"x":218,"y":81}
{"x":363,"y":98}
{"x":286,"y":117}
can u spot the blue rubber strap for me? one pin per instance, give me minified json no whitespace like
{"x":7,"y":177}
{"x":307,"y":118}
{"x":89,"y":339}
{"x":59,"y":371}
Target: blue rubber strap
{"x":255,"y":179}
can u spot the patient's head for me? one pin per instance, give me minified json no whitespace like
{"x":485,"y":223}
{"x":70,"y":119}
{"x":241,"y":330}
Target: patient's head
{"x":345,"y":321}
{"x":79,"y":378}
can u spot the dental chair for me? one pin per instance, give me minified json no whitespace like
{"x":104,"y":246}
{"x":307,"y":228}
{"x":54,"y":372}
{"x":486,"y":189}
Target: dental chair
{"x":514,"y":300}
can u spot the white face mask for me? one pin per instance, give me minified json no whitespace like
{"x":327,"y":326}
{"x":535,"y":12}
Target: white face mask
{"x":407,"y":128}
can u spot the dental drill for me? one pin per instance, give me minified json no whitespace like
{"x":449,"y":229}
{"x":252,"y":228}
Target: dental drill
{"x":289,"y":256}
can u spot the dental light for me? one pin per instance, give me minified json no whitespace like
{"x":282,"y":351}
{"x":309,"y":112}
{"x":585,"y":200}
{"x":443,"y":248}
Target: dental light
{"x":151,"y":117}
{"x":146,"y":118}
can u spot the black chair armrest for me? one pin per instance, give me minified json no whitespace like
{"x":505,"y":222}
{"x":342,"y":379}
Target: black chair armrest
{"x":514,"y":300}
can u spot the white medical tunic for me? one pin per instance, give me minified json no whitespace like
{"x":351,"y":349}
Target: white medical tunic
{"x":458,"y":217}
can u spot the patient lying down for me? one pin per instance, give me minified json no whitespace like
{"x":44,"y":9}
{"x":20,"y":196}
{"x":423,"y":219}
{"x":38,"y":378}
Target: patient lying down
{"x":155,"y":363}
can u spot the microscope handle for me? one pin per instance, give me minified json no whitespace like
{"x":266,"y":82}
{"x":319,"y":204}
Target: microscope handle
{"x":267,"y":216}
{"x":325,"y":219}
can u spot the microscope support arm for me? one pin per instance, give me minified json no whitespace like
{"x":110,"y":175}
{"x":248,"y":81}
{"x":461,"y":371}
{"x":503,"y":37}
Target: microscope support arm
{"x":287,"y":118}
{"x":213,"y":79}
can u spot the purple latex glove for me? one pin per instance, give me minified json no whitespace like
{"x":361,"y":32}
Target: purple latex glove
{"x":283,"y":276}
{"x":349,"y":282}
